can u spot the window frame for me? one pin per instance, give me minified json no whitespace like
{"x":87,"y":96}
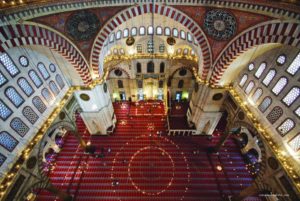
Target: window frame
{"x":18,"y":83}
{"x":23,"y":100}
{"x":6,"y":80}
{"x":284,"y":134}
{"x":288,"y":93}
{"x":21,"y":63}
{"x":11,"y":111}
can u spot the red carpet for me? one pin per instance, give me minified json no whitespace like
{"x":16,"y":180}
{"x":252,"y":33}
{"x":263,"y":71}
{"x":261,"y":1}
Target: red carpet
{"x":144,"y":165}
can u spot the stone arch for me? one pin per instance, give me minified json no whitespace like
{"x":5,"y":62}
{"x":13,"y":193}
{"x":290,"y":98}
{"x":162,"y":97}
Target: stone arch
{"x":121,"y":69}
{"x":284,"y":32}
{"x":159,"y":9}
{"x":26,"y":34}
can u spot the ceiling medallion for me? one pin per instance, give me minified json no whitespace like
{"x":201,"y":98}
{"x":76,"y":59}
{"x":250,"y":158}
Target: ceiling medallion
{"x":220,"y":24}
{"x":130,"y":41}
{"x":171,"y":41}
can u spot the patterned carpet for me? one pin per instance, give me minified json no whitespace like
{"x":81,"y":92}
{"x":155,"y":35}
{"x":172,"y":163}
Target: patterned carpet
{"x":140,"y":163}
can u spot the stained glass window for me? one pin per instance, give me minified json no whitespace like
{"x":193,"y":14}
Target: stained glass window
{"x":167,"y":31}
{"x":19,"y":126}
{"x":251,"y":66}
{"x":12,"y":94}
{"x":249,"y":87}
{"x":43,"y":71}
{"x":281,"y":59}
{"x":291,"y":96}
{"x":5,"y":111}
{"x":35,"y":78}
{"x":281,"y":83}
{"x":2,"y":159}
{"x":159,"y":30}
{"x":9,"y":65}
{"x":3,"y":79}
{"x":243,"y":80}
{"x":23,"y":61}
{"x":39,"y":104}
{"x":260,"y":70}
{"x":257,"y":94}
{"x":59,"y":81}
{"x":125,"y":33}
{"x":30,"y":115}
{"x":295,"y":143}
{"x":54,"y":88}
{"x":7,"y":141}
{"x":286,"y":126}
{"x":265,"y":104}
{"x":52,"y":68}
{"x":295,"y":65}
{"x":269,"y":77}
{"x":47,"y":95}
{"x":25,"y":86}
{"x":275,"y":114}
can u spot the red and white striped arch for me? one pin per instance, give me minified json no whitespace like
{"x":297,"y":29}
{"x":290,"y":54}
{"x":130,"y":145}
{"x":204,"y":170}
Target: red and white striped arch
{"x":19,"y":35}
{"x":159,"y":9}
{"x":287,"y":33}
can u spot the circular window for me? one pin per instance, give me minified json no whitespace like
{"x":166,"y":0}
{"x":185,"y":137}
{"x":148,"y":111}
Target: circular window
{"x":251,"y":66}
{"x":217,"y":97}
{"x":85,"y":97}
{"x":52,"y":68}
{"x":105,"y":87}
{"x":273,"y":163}
{"x":241,"y":115}
{"x":118,"y":72}
{"x":31,"y":162}
{"x":62,"y":115}
{"x":23,"y":61}
{"x":182,"y":72}
{"x":281,"y":59}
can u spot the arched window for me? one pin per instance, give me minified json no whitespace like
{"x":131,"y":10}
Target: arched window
{"x":291,"y":96}
{"x":5,"y":111}
{"x":159,"y":30}
{"x":281,"y":83}
{"x":150,"y":67}
{"x":180,"y":84}
{"x":138,"y":67}
{"x":161,"y":84}
{"x":59,"y":81}
{"x":150,"y":30}
{"x":167,"y":31}
{"x":39,"y":104}
{"x":175,"y":32}
{"x":162,"y":67}
{"x":133,"y":31}
{"x":3,"y":79}
{"x":297,"y":111}
{"x":260,"y":70}
{"x":243,"y":80}
{"x":7,"y":141}
{"x":9,"y":65}
{"x":118,"y":34}
{"x":23,"y":61}
{"x":35,"y":78}
{"x":111,"y":38}
{"x":125,"y":33}
{"x":251,"y":66}
{"x":25,"y":86}
{"x":142,"y":31}
{"x":54,"y":88}
{"x":12,"y":94}
{"x":140,"y":84}
{"x":257,"y":94}
{"x":47,"y":95}
{"x":30,"y":115}
{"x":185,"y":51}
{"x":120,"y":84}
{"x":275,"y":114}
{"x":182,"y":34}
{"x":43,"y":71}
{"x":150,"y":46}
{"x":295,"y":143}
{"x":295,"y":65}
{"x":281,"y":59}
{"x":52,"y":68}
{"x":269,"y":77}
{"x":286,"y":126}
{"x":189,"y":37}
{"x":19,"y":126}
{"x":265,"y":104}
{"x":249,"y":87}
